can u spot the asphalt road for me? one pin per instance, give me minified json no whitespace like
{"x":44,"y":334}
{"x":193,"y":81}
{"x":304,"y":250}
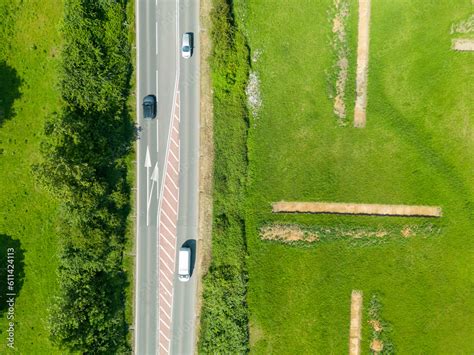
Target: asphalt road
{"x":183,"y":326}
{"x":160,"y":69}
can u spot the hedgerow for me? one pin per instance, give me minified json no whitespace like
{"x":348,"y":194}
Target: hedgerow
{"x":84,"y":166}
{"x":224,"y":325}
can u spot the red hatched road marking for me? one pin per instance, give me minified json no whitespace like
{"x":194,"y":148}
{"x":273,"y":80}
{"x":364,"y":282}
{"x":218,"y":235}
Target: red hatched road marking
{"x":166,"y":265}
{"x":168,"y":219}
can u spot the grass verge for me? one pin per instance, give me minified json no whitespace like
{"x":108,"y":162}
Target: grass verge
{"x":224,"y":314}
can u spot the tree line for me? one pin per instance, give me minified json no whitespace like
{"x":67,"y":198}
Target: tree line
{"x":84,"y":167}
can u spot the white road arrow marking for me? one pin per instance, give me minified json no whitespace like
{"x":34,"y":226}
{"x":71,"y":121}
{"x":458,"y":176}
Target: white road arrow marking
{"x":154,"y":178}
{"x":147,"y":166}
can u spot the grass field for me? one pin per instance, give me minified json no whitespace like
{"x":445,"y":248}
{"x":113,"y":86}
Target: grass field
{"x":29,"y":53}
{"x":416,"y":149}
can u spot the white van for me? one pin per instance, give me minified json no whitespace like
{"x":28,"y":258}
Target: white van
{"x":184,"y":264}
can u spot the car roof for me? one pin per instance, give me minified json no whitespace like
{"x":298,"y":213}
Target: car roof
{"x":149,"y":98}
{"x":186,"y":38}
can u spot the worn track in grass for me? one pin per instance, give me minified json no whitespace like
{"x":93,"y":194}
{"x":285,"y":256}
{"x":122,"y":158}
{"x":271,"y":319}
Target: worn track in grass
{"x":356,"y":320}
{"x":356,"y":208}
{"x":362,"y":64}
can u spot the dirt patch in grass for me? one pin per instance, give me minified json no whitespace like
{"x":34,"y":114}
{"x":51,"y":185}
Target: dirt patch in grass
{"x":356,"y":320}
{"x":356,"y":208}
{"x":376,"y":346}
{"x":465,"y":26}
{"x":362,"y":63}
{"x":339,"y":44}
{"x":252,"y":91}
{"x":294,"y":233}
{"x":462,"y":44}
{"x":376,"y":325}
{"x":407,"y":232}
{"x":288,"y":233}
{"x":380,"y":329}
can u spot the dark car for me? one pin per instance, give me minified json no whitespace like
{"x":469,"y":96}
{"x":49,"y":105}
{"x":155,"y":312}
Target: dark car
{"x":149,"y":107}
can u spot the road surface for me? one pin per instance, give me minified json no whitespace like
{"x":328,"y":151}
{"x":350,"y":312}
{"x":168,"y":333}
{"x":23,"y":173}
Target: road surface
{"x":167,"y":176}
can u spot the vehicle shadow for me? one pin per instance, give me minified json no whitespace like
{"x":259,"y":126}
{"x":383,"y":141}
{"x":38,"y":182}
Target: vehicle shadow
{"x":191,"y":244}
{"x":10,"y":84}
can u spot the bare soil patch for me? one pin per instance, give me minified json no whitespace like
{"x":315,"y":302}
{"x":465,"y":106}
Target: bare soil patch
{"x":254,"y":98}
{"x":287,"y":233}
{"x":356,"y":320}
{"x":462,"y":44}
{"x":356,"y":208}
{"x":376,"y":346}
{"x":290,"y":233}
{"x":376,"y":325}
{"x":362,"y":63}
{"x":339,"y":44}
{"x":381,"y":330}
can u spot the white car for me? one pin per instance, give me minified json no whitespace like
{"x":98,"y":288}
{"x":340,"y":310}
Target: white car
{"x":184,"y":264}
{"x":187,"y":45}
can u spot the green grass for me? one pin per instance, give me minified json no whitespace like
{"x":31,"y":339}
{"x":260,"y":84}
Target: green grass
{"x":416,"y":149}
{"x":27,"y":213}
{"x":129,"y":255}
{"x":224,"y":315}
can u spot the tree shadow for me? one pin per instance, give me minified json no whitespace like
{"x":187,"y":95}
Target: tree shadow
{"x":10,"y":84}
{"x":12,"y":271}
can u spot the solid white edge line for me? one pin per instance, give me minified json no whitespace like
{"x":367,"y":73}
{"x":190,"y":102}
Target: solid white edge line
{"x":137,"y":38}
{"x":157,"y":125}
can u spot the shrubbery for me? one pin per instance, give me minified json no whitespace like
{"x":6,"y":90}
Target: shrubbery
{"x":84,"y":167}
{"x":224,"y":327}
